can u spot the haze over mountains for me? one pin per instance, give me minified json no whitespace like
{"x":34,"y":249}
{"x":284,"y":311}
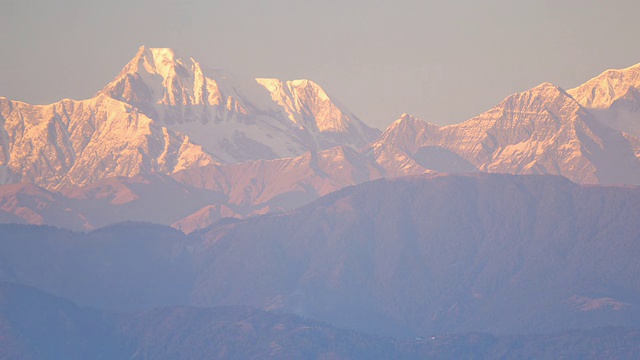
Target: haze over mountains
{"x":522,"y":219}
{"x":260,"y":145}
{"x":164,"y":113}
{"x":38,"y":325}
{"x":408,"y":257}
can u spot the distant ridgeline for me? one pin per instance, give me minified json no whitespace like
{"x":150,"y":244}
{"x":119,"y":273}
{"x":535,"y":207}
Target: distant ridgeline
{"x":38,"y":325}
{"x":407,"y":257}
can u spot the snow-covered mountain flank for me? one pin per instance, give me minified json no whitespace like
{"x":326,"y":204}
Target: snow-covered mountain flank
{"x":540,"y":131}
{"x":259,"y":145}
{"x":164,"y":113}
{"x":614,"y":98}
{"x":236,"y":119}
{"x":79,"y":142}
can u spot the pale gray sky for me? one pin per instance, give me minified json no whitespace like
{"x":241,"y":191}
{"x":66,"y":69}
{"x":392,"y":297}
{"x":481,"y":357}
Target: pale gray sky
{"x":443,"y":61}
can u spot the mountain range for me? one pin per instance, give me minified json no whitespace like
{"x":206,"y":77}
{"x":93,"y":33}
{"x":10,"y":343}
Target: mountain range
{"x":187,"y":212}
{"x":404,"y":257}
{"x":165,"y":112}
{"x":227,"y":146}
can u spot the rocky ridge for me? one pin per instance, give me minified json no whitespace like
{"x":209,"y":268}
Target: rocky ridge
{"x":264,"y":145}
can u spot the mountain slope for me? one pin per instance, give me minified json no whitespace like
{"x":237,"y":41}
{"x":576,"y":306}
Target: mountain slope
{"x":237,"y":119}
{"x":164,"y":113}
{"x":406,"y":257}
{"x":540,"y":131}
{"x":310,"y":175}
{"x":168,"y":114}
{"x":275,"y":185}
{"x":614,"y":98}
{"x":431,"y":255}
{"x":193,"y":198}
{"x":73,"y":143}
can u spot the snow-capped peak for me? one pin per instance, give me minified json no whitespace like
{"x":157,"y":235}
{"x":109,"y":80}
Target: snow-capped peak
{"x":601,"y":91}
{"x":154,"y":60}
{"x":217,"y":109}
{"x":614,"y":98}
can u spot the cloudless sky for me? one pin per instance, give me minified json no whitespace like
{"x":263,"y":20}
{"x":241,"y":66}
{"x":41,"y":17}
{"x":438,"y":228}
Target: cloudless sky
{"x":442,"y":61}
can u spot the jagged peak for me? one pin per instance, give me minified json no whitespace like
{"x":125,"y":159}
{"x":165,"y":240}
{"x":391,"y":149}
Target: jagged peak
{"x":547,"y":87}
{"x":164,"y":53}
{"x":305,"y":83}
{"x":310,"y":85}
{"x":543,"y":93}
{"x":141,"y":51}
{"x":407,"y":126}
{"x":543,"y":98}
{"x":161,"y":61}
{"x":409,"y":120}
{"x":273,"y":84}
{"x":406,"y":117}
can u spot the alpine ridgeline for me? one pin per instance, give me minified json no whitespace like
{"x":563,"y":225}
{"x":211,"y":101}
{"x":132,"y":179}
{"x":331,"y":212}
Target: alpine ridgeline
{"x":226,"y":146}
{"x":164,"y":113}
{"x":540,"y":131}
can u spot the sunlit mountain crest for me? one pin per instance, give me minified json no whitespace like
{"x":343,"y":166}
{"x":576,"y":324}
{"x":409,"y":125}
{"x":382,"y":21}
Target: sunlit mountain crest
{"x":236,"y":118}
{"x":262,"y":145}
{"x":165,"y":113}
{"x":539,"y":131}
{"x":604,"y":89}
{"x":614,"y":98}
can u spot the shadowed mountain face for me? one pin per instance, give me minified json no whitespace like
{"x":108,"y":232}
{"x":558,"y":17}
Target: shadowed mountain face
{"x":155,"y":198}
{"x":122,"y":267}
{"x":193,"y":198}
{"x":447,"y":253}
{"x":35,"y":325}
{"x":405,"y":257}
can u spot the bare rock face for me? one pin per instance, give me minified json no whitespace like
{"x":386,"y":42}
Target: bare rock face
{"x":540,"y":131}
{"x":192,"y":198}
